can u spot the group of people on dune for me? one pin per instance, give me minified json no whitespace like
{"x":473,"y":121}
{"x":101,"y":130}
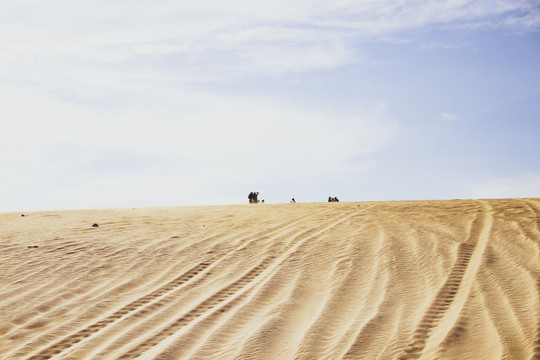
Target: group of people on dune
{"x":253,"y":198}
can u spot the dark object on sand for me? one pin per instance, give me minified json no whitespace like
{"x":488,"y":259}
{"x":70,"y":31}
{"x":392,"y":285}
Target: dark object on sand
{"x":95,"y":225}
{"x":23,"y":215}
{"x":33,"y":246}
{"x":253,"y":197}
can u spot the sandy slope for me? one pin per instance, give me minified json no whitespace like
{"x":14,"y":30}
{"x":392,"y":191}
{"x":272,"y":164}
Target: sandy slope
{"x":374,"y":280}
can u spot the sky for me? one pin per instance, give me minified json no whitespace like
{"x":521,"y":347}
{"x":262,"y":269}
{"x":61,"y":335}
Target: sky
{"x":177,"y":103}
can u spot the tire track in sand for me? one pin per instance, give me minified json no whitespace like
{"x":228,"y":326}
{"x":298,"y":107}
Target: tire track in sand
{"x":452,"y":295}
{"x":213,"y":304}
{"x":536,"y":351}
{"x":208,"y":337}
{"x":171,"y":299}
{"x":82,"y":334}
{"x":138,"y":304}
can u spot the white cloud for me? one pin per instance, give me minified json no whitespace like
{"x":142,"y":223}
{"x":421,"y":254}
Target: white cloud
{"x":448,"y":117}
{"x":190,"y":121}
{"x":108,"y":33}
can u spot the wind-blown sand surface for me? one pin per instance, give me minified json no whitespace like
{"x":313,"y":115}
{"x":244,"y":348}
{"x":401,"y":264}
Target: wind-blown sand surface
{"x":453,"y":279}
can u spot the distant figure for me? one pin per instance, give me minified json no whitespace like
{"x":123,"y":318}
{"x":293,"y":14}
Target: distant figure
{"x":262,"y":201}
{"x":250,"y":197}
{"x":255,"y":195}
{"x":333,"y":199}
{"x":293,"y":201}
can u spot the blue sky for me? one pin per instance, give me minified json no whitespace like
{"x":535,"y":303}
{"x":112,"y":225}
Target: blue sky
{"x":138,"y":103}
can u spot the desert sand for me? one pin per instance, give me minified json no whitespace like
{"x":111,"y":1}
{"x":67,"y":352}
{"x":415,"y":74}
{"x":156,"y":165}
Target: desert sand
{"x":453,"y":279}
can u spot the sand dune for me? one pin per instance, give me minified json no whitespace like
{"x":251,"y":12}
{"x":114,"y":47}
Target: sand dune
{"x":453,"y":279}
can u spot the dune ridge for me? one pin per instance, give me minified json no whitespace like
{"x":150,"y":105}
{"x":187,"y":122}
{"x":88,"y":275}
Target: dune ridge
{"x":448,"y":279}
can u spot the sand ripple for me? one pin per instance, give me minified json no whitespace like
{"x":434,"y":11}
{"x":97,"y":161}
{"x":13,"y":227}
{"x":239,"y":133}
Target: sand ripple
{"x":453,"y":279}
